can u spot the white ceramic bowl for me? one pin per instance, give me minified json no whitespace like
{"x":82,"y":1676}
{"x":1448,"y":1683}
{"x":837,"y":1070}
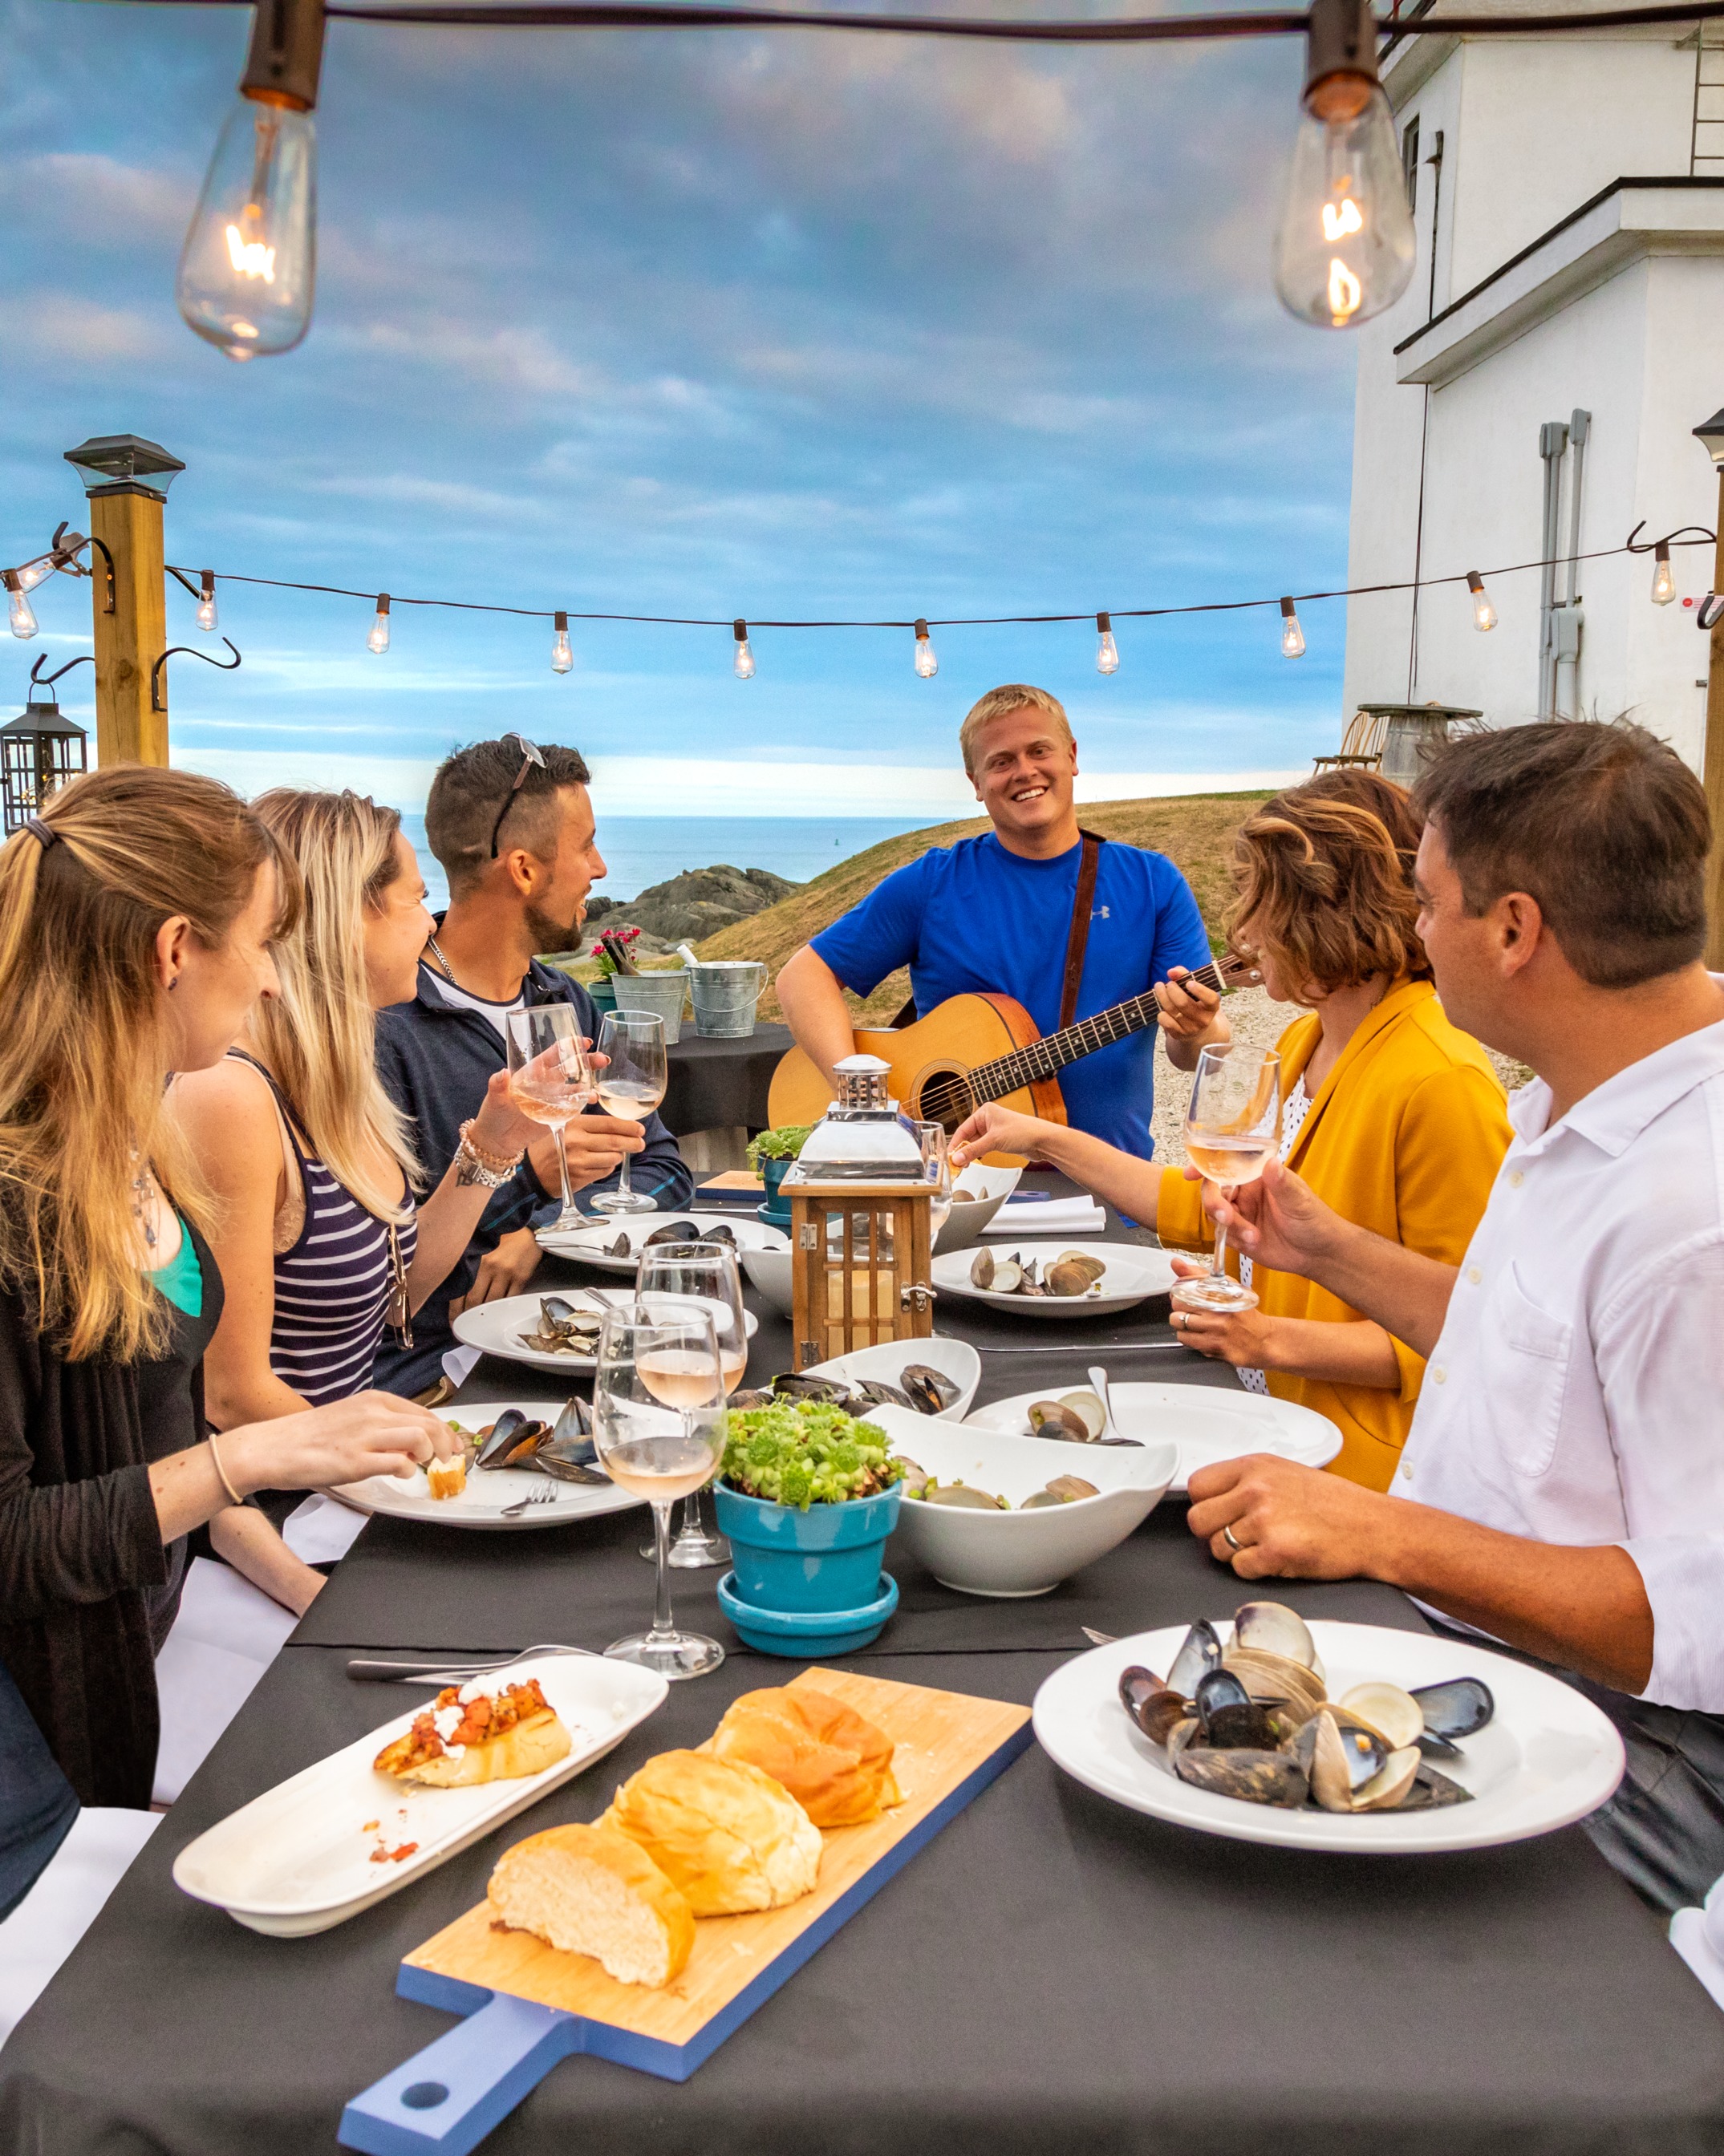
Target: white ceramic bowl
{"x":769,"y":1270}
{"x":955,"y":1359}
{"x":977,"y":1196}
{"x":1013,"y":1555}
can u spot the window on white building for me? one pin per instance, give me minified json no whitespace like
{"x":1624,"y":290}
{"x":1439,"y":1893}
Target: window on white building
{"x":1409,"y":161}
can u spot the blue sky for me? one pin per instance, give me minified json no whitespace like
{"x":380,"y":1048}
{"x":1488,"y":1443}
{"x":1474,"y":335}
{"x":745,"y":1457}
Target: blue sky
{"x":788,"y":325}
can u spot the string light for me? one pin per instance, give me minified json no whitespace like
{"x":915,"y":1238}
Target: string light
{"x":18,"y":609}
{"x":379,"y":639}
{"x":1663,"y":583}
{"x":1346,"y":247}
{"x":1484,"y":613}
{"x":206,"y":616}
{"x":927,"y":664}
{"x":1293,"y":637}
{"x":1107,"y":652}
{"x":248,"y":268}
{"x":742,"y":665}
{"x":31,"y":574}
{"x":562,"y":658}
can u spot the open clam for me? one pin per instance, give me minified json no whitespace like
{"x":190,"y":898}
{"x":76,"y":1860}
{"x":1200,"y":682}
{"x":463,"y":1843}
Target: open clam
{"x":1077,"y":1417}
{"x":1063,"y":1490}
{"x":962,"y":1494}
{"x":1274,"y":1626}
{"x":563,"y":1328}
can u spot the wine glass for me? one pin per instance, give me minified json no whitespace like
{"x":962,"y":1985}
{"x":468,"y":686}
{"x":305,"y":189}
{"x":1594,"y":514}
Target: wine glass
{"x":938,"y":1167}
{"x":1232,"y":1127}
{"x":550,"y":1078}
{"x":672,"y":1277}
{"x":631,"y":1084}
{"x":659,"y":1426}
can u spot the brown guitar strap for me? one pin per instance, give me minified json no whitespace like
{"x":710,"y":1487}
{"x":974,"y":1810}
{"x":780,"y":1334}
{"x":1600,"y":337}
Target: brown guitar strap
{"x":1078,"y":942}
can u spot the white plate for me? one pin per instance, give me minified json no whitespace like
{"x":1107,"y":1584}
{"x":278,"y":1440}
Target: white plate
{"x":298,"y":1859}
{"x":498,"y":1327}
{"x":1206,"y":1423}
{"x":588,"y":1244}
{"x":1548,"y":1758}
{"x":481,"y":1503}
{"x":1013,"y":1555}
{"x":1134,"y":1273}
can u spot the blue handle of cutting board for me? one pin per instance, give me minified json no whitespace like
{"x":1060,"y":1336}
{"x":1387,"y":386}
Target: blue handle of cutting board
{"x":447,"y":2098}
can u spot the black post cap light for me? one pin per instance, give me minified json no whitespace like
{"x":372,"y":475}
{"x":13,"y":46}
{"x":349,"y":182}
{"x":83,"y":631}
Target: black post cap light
{"x":124,"y":464}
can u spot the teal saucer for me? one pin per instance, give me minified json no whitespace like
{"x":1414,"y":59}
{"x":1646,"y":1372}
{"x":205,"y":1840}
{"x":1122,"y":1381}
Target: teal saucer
{"x":806,"y":1633}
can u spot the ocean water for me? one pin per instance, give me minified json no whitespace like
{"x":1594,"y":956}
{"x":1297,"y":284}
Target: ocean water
{"x":642,"y":851}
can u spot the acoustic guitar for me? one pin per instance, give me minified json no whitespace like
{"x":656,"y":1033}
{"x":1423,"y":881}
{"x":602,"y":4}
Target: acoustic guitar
{"x":979,"y":1048}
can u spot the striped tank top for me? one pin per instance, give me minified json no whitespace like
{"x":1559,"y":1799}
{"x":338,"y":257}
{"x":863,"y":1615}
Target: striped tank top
{"x":333,"y":1286}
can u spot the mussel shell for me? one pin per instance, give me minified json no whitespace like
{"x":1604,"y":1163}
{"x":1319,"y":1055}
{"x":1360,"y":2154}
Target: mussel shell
{"x":800,"y":1385}
{"x":674,"y":1231}
{"x":721,"y":1233}
{"x":878,"y":1393}
{"x":560,"y":1311}
{"x":513,"y":1441}
{"x":1199,"y":1650}
{"x":1431,"y":1790}
{"x":931,"y":1391}
{"x":1337,"y":1760}
{"x":1456,"y":1708}
{"x":751,"y":1397}
{"x":1232,"y":1721}
{"x":565,"y":1470}
{"x":1274,"y":1626}
{"x":961,"y":1494}
{"x":1155,"y":1710}
{"x":1254,"y":1777}
{"x":1387,"y":1788}
{"x":621,"y":1247}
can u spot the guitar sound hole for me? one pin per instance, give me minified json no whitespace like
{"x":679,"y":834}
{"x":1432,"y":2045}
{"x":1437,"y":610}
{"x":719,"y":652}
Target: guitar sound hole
{"x":945,"y":1098}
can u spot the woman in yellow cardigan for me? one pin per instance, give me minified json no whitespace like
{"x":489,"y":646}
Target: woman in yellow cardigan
{"x":1391,"y":1114}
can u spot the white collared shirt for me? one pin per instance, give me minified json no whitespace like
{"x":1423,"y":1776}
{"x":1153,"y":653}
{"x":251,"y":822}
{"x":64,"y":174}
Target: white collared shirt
{"x":1575,"y":1394}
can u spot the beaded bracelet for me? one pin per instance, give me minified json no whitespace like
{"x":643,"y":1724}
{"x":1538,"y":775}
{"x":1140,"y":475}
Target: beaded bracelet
{"x":474,"y":1165}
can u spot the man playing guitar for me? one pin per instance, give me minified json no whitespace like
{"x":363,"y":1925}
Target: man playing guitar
{"x":996,"y":914}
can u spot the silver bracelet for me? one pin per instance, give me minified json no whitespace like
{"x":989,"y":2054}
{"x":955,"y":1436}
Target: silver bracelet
{"x":471,"y":1168}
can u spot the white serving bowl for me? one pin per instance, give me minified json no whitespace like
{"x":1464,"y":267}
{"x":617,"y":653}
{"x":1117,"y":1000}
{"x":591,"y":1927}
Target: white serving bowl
{"x":1011,"y":1555}
{"x":955,"y":1359}
{"x":977,"y":1196}
{"x":769,"y":1270}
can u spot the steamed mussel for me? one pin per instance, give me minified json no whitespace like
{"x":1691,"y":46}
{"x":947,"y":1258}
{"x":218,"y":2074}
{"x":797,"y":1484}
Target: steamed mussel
{"x":563,"y":1328}
{"x":920,"y":1388}
{"x":1252,"y":1719}
{"x":691,"y":1231}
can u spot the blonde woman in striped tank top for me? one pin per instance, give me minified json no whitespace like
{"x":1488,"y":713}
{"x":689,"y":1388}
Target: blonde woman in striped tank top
{"x":320,"y":1241}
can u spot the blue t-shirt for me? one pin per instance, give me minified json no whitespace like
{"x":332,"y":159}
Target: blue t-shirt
{"x":974,"y":919}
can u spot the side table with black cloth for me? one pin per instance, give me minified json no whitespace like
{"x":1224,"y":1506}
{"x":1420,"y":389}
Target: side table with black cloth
{"x":722,"y":1084}
{"x":436,"y":1060}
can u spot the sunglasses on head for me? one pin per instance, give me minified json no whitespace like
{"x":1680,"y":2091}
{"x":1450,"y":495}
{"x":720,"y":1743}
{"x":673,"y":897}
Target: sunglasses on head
{"x":529,"y":756}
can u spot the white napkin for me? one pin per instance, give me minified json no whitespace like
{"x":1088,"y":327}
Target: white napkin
{"x":323,"y":1529}
{"x":460,"y":1363}
{"x":1047,"y":1216}
{"x":1697,"y":1934}
{"x":227,"y":1634}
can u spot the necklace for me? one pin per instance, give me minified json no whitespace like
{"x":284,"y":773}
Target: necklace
{"x":140,"y":1192}
{"x":440,"y":962}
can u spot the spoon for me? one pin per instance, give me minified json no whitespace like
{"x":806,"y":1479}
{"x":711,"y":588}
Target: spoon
{"x":1109,"y":1429}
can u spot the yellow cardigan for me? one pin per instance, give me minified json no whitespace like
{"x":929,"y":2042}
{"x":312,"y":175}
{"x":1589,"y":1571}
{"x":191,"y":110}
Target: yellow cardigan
{"x":1404,"y":1138}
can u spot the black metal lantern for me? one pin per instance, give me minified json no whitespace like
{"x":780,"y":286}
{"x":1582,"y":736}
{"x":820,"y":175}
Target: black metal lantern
{"x":40,"y":750}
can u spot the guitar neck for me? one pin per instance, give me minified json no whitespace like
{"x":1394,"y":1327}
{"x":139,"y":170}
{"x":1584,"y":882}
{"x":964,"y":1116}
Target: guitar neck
{"x":1044,"y":1058}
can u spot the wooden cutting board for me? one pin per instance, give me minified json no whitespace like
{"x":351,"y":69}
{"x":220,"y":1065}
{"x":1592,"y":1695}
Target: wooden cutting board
{"x":529,"y":2004}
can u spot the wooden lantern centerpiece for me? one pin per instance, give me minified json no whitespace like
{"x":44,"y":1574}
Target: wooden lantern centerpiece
{"x":861,"y":1211}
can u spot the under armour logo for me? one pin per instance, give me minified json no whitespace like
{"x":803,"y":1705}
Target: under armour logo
{"x":1101,"y":913}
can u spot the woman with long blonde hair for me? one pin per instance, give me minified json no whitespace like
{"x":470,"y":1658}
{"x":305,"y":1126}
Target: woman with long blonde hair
{"x":1391,"y":1113}
{"x":138,"y":912}
{"x":320,"y":1237}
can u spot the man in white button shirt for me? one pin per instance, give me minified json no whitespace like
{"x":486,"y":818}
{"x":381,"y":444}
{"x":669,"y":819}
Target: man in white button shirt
{"x":1562,"y":1487}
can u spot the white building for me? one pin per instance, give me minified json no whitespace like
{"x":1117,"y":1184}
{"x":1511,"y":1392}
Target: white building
{"x":1569,"y":202}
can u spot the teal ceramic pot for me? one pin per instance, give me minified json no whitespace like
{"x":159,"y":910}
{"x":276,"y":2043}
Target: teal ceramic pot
{"x":826,"y":1558}
{"x":602,"y":991}
{"x":776,"y":1209}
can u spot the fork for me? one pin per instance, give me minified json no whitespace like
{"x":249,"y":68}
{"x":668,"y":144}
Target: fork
{"x":547,"y":1496}
{"x":366,"y":1670}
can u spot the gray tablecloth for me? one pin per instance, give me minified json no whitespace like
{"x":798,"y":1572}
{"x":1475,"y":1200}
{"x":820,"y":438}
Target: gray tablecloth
{"x":1052,"y":1974}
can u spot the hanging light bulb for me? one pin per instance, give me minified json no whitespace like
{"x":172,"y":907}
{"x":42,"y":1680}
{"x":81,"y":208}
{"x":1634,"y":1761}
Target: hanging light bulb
{"x":1107,"y":652}
{"x":35,"y":573}
{"x":927,"y":664}
{"x":742,"y":665}
{"x":206,"y":602}
{"x":248,"y":268}
{"x":562,"y":658}
{"x":1346,"y":246}
{"x":1663,"y":583}
{"x":1293,"y":637}
{"x":1484,"y":613}
{"x":379,"y":639}
{"x":17,"y":607}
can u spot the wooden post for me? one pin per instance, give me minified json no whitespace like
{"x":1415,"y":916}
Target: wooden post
{"x":126,"y":479}
{"x":1712,"y":766}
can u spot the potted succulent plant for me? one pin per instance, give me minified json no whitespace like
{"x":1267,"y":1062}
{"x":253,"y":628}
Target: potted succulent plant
{"x":769,"y":1156}
{"x":808,"y":1496}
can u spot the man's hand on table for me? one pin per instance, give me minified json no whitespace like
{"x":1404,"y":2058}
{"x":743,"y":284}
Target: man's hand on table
{"x":504,"y":1271}
{"x":1296,"y":1521}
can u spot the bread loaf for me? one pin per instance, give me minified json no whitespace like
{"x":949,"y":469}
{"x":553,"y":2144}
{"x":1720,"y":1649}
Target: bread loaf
{"x":836,"y":1763}
{"x":730,"y":1837}
{"x":589,"y":1891}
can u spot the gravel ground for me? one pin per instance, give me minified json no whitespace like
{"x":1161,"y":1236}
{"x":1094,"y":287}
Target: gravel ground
{"x":1256,"y":1019}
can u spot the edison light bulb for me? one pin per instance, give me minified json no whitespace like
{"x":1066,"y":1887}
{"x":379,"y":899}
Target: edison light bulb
{"x":1107,"y":652}
{"x":249,"y":267}
{"x":562,"y":658}
{"x":927,"y":664}
{"x":1664,"y":584}
{"x":205,"y":602}
{"x":1346,"y":247}
{"x":742,"y":665}
{"x":1484,"y":613}
{"x":17,"y":607}
{"x":1293,"y":637}
{"x":35,"y":573}
{"x":379,"y":639}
